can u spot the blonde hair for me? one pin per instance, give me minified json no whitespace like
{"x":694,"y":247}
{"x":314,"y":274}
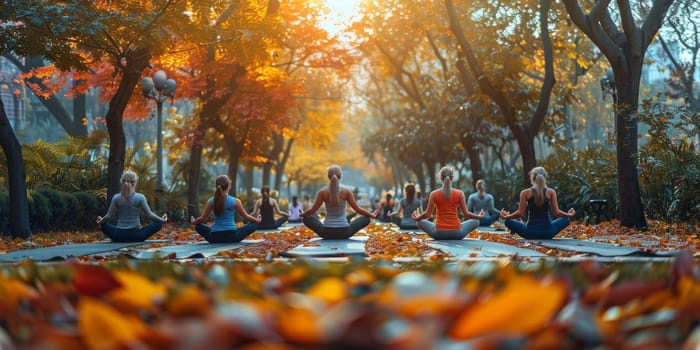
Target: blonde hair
{"x":128,"y":180}
{"x":537,"y":178}
{"x":446,"y":178}
{"x":335,"y":173}
{"x":222,"y":185}
{"x":481,"y":186}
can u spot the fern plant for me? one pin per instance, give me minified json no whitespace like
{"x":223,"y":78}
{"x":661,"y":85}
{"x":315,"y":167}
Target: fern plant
{"x":670,"y":162}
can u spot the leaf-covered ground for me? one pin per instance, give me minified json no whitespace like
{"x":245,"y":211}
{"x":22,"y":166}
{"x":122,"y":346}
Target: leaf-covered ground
{"x":111,"y":302}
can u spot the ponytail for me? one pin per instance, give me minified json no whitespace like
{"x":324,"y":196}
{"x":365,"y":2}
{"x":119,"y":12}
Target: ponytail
{"x":128,"y":180}
{"x":537,"y":175}
{"x":222,"y":186}
{"x":265,"y":193}
{"x":335,"y":173}
{"x":334,"y":190}
{"x":446,"y":178}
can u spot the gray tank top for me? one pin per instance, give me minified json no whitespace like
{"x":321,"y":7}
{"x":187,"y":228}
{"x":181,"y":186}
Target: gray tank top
{"x":335,"y":216}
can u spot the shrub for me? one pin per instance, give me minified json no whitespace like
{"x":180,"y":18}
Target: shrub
{"x":582,"y":175}
{"x":90,"y":208}
{"x":669,"y":163}
{"x":40,"y":214}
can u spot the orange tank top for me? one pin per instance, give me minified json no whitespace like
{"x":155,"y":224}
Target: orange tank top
{"x":446,"y":218}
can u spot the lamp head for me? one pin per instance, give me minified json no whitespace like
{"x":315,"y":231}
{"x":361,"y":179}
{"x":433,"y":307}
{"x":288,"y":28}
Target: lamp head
{"x":147,"y":86}
{"x":159,"y":79}
{"x":170,"y":86}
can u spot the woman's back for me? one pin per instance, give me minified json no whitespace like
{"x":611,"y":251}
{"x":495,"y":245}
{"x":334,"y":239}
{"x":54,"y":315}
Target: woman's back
{"x":129,"y":210}
{"x":267,"y":212}
{"x":227,"y":219}
{"x":447,"y":207}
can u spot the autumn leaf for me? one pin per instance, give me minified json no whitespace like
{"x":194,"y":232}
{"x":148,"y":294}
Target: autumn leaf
{"x":300,"y":325}
{"x":190,"y":301}
{"x":12,"y":291}
{"x":94,"y":280}
{"x":524,"y":305}
{"x":103,"y":327}
{"x":329,"y":289}
{"x":137,"y":291}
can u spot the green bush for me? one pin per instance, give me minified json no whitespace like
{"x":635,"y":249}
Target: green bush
{"x":40,"y":213}
{"x":90,"y":207}
{"x":582,"y":175}
{"x":669,"y":163}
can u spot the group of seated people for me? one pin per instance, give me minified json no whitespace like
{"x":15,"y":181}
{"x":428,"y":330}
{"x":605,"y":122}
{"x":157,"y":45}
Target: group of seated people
{"x":440,"y":219}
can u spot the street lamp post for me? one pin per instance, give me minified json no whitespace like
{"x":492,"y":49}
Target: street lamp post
{"x":607,"y":84}
{"x":159,"y":88}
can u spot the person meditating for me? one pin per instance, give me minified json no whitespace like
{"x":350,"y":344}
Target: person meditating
{"x":126,"y":208}
{"x":294,"y":211}
{"x":336,"y":199}
{"x":267,"y":207}
{"x":224,"y":206}
{"x":446,"y":201}
{"x":482,"y":200}
{"x":537,"y":201}
{"x":407,"y":205}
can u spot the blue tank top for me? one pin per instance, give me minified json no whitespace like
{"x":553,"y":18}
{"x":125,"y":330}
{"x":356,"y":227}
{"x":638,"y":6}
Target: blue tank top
{"x":227,"y":220}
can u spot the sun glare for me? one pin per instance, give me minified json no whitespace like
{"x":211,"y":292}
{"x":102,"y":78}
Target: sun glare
{"x":342,"y":12}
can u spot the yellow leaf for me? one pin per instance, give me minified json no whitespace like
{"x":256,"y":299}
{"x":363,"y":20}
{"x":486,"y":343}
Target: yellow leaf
{"x":330,"y":289}
{"x":523,"y":306}
{"x":137,"y":291}
{"x":103,"y":327}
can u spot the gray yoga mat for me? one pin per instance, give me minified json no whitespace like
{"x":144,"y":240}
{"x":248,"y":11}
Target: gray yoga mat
{"x":191,"y":250}
{"x":471,"y":248}
{"x":577,"y":245}
{"x":329,"y":247}
{"x":63,"y":251}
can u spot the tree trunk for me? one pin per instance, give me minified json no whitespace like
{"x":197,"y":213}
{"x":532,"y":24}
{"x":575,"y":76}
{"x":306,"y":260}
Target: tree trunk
{"x":631,"y":208}
{"x":282,"y":163}
{"x":474,"y":159}
{"x":137,"y":61}
{"x":194,"y":170}
{"x":624,"y":46}
{"x":266,"y":171}
{"x":19,"y":205}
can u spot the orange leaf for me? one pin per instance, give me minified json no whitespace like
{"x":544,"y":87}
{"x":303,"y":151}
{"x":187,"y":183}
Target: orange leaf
{"x":94,"y":280}
{"x":523,"y":306}
{"x":12,"y":291}
{"x":330,"y":289}
{"x":137,"y":291}
{"x":300,"y":325}
{"x":103,"y":327}
{"x":190,"y":301}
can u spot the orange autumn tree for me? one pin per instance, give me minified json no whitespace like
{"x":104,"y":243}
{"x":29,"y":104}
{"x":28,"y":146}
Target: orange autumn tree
{"x":78,"y":35}
{"x":320,"y":61}
{"x":227,"y":39}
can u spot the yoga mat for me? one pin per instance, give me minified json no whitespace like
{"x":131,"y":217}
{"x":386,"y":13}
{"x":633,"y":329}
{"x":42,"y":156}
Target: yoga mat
{"x":191,"y":250}
{"x":319,"y":247}
{"x":576,"y":245}
{"x":64,"y":251}
{"x":470,"y":248}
